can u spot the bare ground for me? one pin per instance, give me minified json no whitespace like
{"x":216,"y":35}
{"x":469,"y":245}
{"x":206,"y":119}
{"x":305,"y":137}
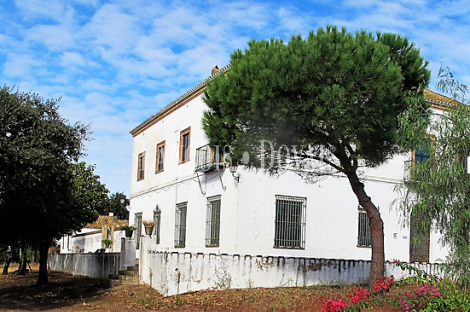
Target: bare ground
{"x":74,"y":293}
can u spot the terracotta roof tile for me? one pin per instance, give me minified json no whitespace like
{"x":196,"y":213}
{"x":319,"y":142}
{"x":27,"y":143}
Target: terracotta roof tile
{"x":438,"y":99}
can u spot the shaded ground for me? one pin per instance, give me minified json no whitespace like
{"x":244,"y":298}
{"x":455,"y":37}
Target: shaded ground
{"x":70,"y":293}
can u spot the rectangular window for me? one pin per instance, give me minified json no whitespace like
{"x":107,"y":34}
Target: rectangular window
{"x":364,"y":235}
{"x":289,"y":231}
{"x":422,"y":153}
{"x":160,"y":157}
{"x":138,"y":231}
{"x":180,"y":225}
{"x":157,"y":213}
{"x":213,"y":222}
{"x":419,"y":240}
{"x":185,"y":145}
{"x":141,"y":166}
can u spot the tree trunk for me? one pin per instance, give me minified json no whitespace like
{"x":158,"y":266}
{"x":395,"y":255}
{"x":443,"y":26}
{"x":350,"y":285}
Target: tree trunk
{"x":22,"y":261}
{"x":42,"y":279}
{"x":377,"y":269}
{"x":7,"y":265}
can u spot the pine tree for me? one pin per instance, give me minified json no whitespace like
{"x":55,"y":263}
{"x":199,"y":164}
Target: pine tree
{"x":342,"y":100}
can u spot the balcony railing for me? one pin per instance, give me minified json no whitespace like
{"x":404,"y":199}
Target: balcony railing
{"x":207,"y":159}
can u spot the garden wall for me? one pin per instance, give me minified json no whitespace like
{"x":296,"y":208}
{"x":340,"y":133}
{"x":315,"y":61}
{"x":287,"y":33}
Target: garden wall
{"x":176,"y":273}
{"x":97,"y":265}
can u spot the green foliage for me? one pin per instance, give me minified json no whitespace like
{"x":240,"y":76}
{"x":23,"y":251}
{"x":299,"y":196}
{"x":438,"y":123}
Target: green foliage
{"x":439,"y":189}
{"x":434,"y":294}
{"x":44,"y":193}
{"x":107,"y":242}
{"x":332,"y":102}
{"x":336,"y":96}
{"x":115,"y":206}
{"x":88,"y":195}
{"x":37,"y":147}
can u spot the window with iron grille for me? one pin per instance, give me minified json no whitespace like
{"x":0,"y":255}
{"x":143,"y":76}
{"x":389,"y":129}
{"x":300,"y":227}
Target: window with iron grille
{"x":138,"y":231}
{"x":180,"y":225}
{"x":289,"y":231}
{"x":141,"y":166}
{"x":160,"y":157}
{"x":156,"y":229}
{"x":213,"y":222}
{"x":364,"y":235}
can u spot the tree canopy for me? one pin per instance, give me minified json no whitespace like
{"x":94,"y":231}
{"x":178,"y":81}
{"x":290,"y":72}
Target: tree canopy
{"x":334,"y":98}
{"x":43,"y":192}
{"x":117,"y":207}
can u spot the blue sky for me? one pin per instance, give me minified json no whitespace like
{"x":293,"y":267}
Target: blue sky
{"x":115,"y":63}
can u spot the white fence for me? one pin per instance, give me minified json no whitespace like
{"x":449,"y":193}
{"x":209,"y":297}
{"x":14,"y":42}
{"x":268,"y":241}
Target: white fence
{"x":177,"y":273}
{"x":97,"y":265}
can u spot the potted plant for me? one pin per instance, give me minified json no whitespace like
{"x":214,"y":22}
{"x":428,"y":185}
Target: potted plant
{"x":128,"y":230}
{"x":107,"y":243}
{"x":149,"y":227}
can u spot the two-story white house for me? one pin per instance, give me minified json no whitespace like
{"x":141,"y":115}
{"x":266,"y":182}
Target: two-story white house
{"x":256,"y":229}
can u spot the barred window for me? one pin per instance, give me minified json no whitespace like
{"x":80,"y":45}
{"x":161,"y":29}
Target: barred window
{"x":364,"y":235}
{"x":213,"y":222}
{"x":180,"y":225}
{"x":138,"y":231}
{"x":156,"y":229}
{"x":289,"y":231}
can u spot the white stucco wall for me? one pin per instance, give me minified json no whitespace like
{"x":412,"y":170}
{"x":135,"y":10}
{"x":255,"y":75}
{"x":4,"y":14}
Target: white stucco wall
{"x":176,"y":273}
{"x":90,"y":242}
{"x":248,"y":206}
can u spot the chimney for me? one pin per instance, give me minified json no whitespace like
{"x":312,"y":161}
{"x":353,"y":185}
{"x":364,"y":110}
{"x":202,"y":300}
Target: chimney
{"x":215,"y":70}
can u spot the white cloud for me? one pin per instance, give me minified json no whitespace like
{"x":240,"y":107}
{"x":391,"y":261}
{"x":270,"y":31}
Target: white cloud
{"x":120,"y":63}
{"x":71,"y":59}
{"x":20,"y":65}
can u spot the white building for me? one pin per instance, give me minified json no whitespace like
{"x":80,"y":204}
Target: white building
{"x":202,"y":213}
{"x":90,"y":238}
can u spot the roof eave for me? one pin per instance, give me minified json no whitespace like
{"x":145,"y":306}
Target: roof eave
{"x":193,"y":90}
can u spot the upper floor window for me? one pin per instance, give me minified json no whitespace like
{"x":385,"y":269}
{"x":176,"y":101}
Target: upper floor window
{"x":160,"y":157}
{"x":141,"y":166}
{"x":422,"y":153}
{"x":289,"y":230}
{"x":185,"y":136}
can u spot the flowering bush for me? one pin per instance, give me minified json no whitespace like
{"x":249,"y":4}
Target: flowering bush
{"x":382,"y":283}
{"x":334,"y":305}
{"x":357,"y":293}
{"x":420,"y":298}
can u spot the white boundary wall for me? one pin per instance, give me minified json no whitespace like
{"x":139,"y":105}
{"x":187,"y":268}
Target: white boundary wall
{"x":174,"y":273}
{"x":88,"y":264}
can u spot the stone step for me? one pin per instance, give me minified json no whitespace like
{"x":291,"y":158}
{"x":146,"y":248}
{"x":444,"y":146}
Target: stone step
{"x":134,"y":268}
{"x":127,"y":272}
{"x":115,"y":282}
{"x":129,"y":280}
{"x":114,"y":276}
